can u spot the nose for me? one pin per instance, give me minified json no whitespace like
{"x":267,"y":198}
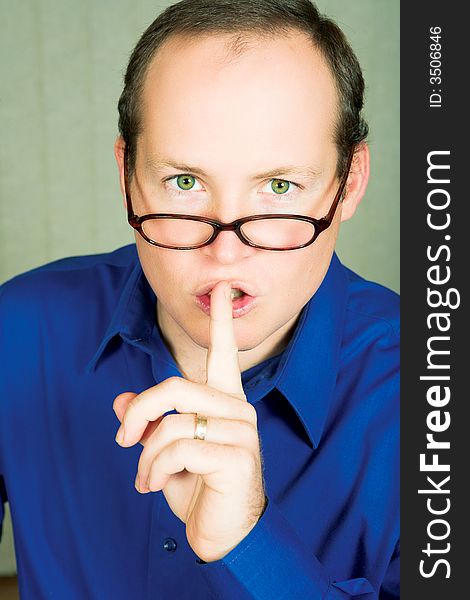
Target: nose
{"x":227,"y":248}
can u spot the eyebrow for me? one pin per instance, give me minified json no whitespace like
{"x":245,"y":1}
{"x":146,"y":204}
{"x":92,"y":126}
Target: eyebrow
{"x":285,"y":170}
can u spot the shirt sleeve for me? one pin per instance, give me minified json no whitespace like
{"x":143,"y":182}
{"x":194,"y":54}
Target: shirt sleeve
{"x":273,"y":562}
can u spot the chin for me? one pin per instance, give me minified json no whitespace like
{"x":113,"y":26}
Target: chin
{"x":246,"y":336}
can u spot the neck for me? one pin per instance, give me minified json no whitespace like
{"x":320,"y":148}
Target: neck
{"x":191,"y":358}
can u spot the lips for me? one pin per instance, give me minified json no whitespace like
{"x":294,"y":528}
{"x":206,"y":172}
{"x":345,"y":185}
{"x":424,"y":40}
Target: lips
{"x":240,"y":306}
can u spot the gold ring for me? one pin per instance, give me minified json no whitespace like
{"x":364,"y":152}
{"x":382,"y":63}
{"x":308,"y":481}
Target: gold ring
{"x":201,"y":428}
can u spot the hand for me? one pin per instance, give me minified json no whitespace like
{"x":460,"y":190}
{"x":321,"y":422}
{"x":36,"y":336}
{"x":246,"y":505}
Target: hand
{"x":215,"y":486}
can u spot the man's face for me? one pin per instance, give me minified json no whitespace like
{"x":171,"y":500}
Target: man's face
{"x":234,"y":118}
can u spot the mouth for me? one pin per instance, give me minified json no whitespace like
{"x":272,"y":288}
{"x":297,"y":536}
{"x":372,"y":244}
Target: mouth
{"x":242,"y":301}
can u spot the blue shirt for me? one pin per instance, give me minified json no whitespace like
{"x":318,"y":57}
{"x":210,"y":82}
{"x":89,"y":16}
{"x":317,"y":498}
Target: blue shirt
{"x":77,"y":332}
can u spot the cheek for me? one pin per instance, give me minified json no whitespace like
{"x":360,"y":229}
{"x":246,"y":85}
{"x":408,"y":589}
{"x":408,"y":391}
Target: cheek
{"x":171,"y":281}
{"x":161,"y":267}
{"x":304,"y":270}
{"x":289,"y":277}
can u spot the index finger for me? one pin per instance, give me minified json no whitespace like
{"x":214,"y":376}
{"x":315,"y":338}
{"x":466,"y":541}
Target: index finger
{"x":222,"y":367}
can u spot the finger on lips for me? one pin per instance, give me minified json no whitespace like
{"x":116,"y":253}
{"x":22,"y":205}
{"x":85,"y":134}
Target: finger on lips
{"x":232,"y":427}
{"x":222,"y":366}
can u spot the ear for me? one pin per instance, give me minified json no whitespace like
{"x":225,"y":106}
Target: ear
{"x":119,"y":148}
{"x":357,"y":181}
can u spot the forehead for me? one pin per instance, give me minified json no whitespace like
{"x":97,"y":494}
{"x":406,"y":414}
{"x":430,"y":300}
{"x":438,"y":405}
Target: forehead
{"x":272,"y":94}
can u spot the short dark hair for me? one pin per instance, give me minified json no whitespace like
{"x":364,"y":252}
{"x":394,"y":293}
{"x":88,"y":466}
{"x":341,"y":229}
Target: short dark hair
{"x":242,"y":19}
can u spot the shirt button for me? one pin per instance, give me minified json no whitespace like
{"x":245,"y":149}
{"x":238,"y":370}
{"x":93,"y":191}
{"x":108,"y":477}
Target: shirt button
{"x":170,"y":544}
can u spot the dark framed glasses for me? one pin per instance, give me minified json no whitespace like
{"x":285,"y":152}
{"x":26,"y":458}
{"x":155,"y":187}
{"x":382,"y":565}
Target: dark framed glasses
{"x":277,"y":232}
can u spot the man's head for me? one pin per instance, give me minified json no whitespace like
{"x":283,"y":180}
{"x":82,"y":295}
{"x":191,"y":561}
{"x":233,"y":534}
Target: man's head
{"x":244,"y":20}
{"x":227,"y":91}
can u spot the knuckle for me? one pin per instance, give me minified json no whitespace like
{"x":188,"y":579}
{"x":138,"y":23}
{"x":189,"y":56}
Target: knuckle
{"x":244,"y":460}
{"x":133,"y":404}
{"x":173,"y":382}
{"x":252,"y":415}
{"x":171,"y":385}
{"x":248,"y":433}
{"x":181,"y":445}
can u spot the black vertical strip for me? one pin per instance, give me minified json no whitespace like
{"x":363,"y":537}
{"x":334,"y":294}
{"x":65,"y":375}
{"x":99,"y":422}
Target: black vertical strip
{"x":435,"y":252}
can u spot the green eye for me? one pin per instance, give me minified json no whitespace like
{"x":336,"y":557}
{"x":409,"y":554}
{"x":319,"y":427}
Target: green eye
{"x":185,"y":182}
{"x":279,"y":186}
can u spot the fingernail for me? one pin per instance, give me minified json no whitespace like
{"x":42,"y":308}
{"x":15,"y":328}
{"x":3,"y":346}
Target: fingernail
{"x":228,"y":291}
{"x":137,"y":483}
{"x":120,"y":435}
{"x":143,"y":487}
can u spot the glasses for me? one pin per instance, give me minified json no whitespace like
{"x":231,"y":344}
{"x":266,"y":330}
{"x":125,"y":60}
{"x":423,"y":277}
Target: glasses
{"x":266,"y":231}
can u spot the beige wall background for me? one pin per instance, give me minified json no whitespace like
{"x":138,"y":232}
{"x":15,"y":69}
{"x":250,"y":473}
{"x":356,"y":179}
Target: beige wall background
{"x":61,"y":68}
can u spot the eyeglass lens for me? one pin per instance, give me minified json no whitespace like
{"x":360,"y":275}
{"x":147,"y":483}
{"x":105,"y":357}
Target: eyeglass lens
{"x":274,"y":233}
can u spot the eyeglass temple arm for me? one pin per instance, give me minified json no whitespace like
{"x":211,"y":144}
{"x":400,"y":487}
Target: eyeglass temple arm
{"x":131,"y":216}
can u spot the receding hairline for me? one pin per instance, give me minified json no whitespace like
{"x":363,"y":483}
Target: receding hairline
{"x":237,"y":44}
{"x":242,"y":21}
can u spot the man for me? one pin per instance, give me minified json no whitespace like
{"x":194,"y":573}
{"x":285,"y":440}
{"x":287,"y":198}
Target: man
{"x":254,"y":377}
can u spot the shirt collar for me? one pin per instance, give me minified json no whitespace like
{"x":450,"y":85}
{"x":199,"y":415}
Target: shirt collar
{"x":308,"y":367}
{"x":134,"y":315}
{"x":310,"y":364}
